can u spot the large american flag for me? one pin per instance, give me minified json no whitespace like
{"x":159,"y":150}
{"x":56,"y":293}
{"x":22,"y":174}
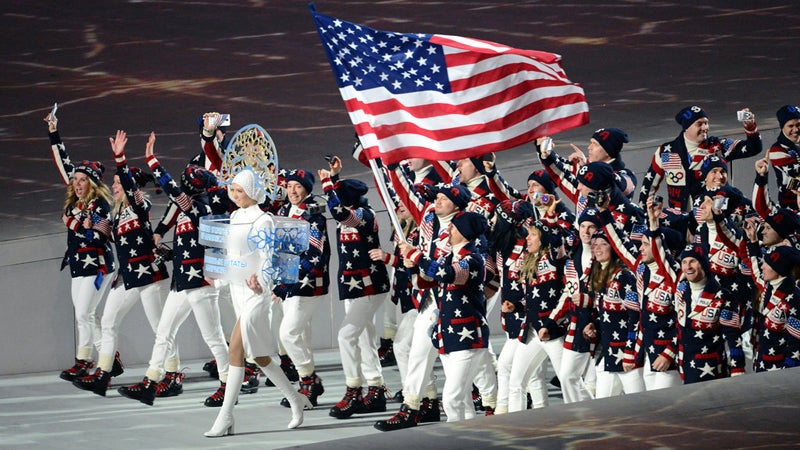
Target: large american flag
{"x":446,"y":97}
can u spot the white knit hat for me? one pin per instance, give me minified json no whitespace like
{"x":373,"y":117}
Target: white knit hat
{"x":250,"y":184}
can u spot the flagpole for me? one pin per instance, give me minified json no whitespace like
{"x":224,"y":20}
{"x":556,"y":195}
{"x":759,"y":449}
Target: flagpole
{"x":386,"y":198}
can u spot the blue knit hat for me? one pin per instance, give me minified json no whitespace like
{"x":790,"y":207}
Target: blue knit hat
{"x":302,"y":176}
{"x":689,"y":115}
{"x":787,"y":113}
{"x":542,"y":177}
{"x":712,"y":162}
{"x":782,"y":259}
{"x":698,"y":252}
{"x":458,"y":194}
{"x":350,"y":191}
{"x":470,"y":224}
{"x":591,"y":215}
{"x":599,"y":176}
{"x":784,"y":221}
{"x":611,"y":139}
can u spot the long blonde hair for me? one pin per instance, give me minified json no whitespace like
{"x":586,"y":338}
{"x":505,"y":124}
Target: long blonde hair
{"x":96,"y":190}
{"x":530,"y":262}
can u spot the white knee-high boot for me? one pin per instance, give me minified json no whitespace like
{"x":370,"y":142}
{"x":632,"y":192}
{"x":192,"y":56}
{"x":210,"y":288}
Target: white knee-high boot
{"x":224,"y":423}
{"x":297,"y":400}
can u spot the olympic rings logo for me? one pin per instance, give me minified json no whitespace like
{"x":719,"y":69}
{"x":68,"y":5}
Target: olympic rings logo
{"x":675,"y":177}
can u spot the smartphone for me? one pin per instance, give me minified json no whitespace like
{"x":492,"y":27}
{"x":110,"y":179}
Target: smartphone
{"x":329,"y":158}
{"x":53,"y":112}
{"x":547,"y":145}
{"x":224,"y":120}
{"x":743,"y":115}
{"x":721,"y":203}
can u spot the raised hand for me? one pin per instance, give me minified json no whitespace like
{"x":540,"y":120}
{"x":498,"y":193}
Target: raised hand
{"x":149,"y":147}
{"x":762,"y":166}
{"x":118,"y":144}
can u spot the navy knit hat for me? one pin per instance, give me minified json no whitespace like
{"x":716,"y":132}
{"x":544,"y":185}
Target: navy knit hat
{"x":545,"y":232}
{"x":302,"y":176}
{"x":196,"y":180}
{"x":611,"y":139}
{"x":458,"y":194}
{"x":350,"y":191}
{"x":469,"y":224}
{"x":784,"y":221}
{"x":672,"y":239}
{"x":477,"y":161}
{"x":787,"y":113}
{"x":590,"y":215}
{"x":93,"y":169}
{"x":598,"y":176}
{"x":712,"y":162}
{"x":689,"y":115}
{"x":782,"y":259}
{"x":698,"y":252}
{"x":542,"y":177}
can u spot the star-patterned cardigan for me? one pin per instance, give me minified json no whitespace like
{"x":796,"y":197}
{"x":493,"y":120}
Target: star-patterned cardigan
{"x":134,"y":238}
{"x":460,"y":298}
{"x":89,"y":251}
{"x":187,"y":265}
{"x":357,"y":234}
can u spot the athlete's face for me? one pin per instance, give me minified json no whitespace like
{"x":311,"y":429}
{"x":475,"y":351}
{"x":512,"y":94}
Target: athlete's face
{"x":117,"y":190}
{"x":698,"y":132}
{"x":295,"y":192}
{"x":597,"y":152}
{"x":80,"y":184}
{"x":791,"y":129}
{"x":601,"y":250}
{"x":692,"y":269}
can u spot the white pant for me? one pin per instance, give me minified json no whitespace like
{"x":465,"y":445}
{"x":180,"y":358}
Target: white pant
{"x":460,"y":368}
{"x":419,"y":383}
{"x":203,"y":302}
{"x":402,"y":342}
{"x":573,"y":365}
{"x":527,"y":359}
{"x":611,"y":384}
{"x":659,"y":380}
{"x":295,"y":331}
{"x":119,"y":303}
{"x":503,"y":371}
{"x":486,"y":377}
{"x":85,"y":298}
{"x":358,"y":342}
{"x":390,"y":310}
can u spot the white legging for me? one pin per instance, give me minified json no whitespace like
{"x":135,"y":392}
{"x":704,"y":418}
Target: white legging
{"x":527,"y":359}
{"x":204,"y":303}
{"x":611,"y":384}
{"x":295,"y":331}
{"x":118,"y":304}
{"x":573,"y":365}
{"x":460,"y":368}
{"x":485,"y":376}
{"x":659,"y":380}
{"x":85,"y":298}
{"x":419,"y":382}
{"x":357,"y":342}
{"x":402,"y":342}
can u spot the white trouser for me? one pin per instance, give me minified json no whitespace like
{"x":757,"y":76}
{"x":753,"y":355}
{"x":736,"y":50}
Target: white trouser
{"x":275,"y":320}
{"x":527,"y":359}
{"x":85,"y":298}
{"x":402,"y":342}
{"x":611,"y":384}
{"x":460,"y":368}
{"x":203,"y":302}
{"x":357,"y":342}
{"x":659,"y":380}
{"x":390,"y":310}
{"x":573,"y":365}
{"x":118,"y":304}
{"x":295,"y":331}
{"x":503,"y":371}
{"x":419,"y":383}
{"x":486,"y":379}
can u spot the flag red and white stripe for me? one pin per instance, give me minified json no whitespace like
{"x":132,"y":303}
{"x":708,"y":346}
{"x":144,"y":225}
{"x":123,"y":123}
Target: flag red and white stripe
{"x":446,"y":97}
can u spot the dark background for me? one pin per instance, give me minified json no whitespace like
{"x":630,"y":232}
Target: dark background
{"x":143,"y":66}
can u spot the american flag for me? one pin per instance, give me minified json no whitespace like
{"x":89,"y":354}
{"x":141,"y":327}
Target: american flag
{"x":446,"y":97}
{"x":671,"y":161}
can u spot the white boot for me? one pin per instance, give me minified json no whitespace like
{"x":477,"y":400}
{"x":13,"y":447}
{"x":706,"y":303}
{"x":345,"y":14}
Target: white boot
{"x":297,"y":400}
{"x":224,"y":423}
